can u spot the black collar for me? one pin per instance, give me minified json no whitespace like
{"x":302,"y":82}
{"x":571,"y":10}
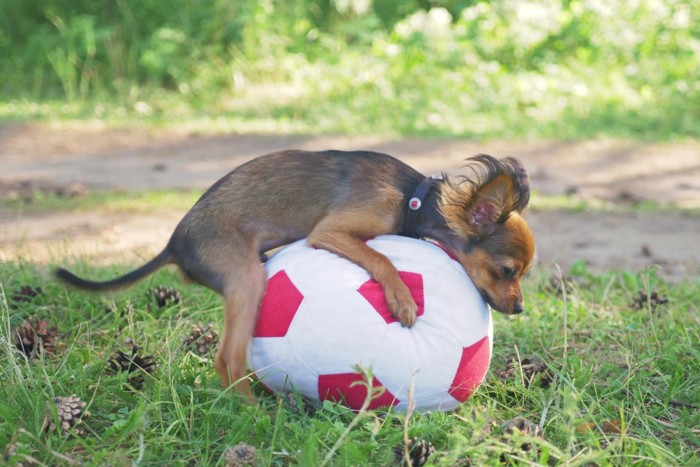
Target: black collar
{"x":410,"y":223}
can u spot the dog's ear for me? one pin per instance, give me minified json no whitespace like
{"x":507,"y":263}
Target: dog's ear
{"x":485,"y":197}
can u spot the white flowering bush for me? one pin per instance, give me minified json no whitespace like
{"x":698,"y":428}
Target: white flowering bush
{"x":510,"y":67}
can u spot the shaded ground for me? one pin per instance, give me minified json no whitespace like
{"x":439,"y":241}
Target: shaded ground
{"x":625,"y":173}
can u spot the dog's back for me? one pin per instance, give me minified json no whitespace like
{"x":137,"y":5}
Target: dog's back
{"x":296,"y":188}
{"x":280,"y":197}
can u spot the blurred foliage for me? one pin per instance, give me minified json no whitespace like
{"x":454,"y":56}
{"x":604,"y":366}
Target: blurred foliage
{"x":553,"y":68}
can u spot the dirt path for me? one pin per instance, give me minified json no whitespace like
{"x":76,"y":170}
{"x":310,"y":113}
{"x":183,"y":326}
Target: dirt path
{"x":70,"y":158}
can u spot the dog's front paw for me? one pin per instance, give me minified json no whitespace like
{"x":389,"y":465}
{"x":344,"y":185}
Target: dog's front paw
{"x":401,"y":305}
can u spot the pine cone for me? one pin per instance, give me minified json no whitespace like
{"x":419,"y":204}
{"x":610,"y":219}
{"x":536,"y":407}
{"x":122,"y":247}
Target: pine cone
{"x":202,"y":339}
{"x":164,"y":295}
{"x":554,"y":284}
{"x":530,"y":367}
{"x":122,"y":362}
{"x":524,"y":426}
{"x":418,"y":452}
{"x":34,"y":335}
{"x":239,"y":455}
{"x":298,"y":406}
{"x":653,"y":299}
{"x":70,"y":414}
{"x":26,"y":293}
{"x":463,"y":462}
{"x":9,"y":451}
{"x":17,"y":454}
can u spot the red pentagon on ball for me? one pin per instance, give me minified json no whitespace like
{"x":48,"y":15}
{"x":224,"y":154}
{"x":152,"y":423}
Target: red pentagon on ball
{"x":373,"y":293}
{"x":471,"y":370}
{"x":351,"y":390}
{"x":278,"y":307}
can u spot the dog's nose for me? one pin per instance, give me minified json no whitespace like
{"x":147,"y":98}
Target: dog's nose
{"x":517,"y":308}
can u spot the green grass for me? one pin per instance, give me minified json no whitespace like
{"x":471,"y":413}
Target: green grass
{"x":610,"y":361}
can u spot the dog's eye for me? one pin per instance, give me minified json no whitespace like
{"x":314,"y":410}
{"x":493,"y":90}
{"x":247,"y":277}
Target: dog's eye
{"x":509,"y":273}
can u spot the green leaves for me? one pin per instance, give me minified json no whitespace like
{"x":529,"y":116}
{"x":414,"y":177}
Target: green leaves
{"x":547,"y":68}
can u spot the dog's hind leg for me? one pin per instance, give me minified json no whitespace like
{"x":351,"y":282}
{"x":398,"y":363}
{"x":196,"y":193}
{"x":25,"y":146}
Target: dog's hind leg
{"x":243,"y":291}
{"x":227,"y":261}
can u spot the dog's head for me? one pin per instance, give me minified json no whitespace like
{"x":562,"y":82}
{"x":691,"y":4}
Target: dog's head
{"x":488,"y":235}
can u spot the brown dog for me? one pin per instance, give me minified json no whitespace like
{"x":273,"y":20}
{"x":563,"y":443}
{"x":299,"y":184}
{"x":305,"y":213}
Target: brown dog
{"x":336,"y":200}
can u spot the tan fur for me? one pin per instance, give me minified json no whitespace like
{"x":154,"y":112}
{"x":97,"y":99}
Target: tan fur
{"x":485,"y":264}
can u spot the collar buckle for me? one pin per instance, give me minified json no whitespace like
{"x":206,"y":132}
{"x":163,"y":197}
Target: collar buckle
{"x":415,"y":203}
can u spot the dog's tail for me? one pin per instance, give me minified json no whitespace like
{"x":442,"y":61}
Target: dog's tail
{"x":163,"y":258}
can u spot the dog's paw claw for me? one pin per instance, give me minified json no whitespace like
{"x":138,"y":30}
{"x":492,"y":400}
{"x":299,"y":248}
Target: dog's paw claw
{"x":403,"y":308}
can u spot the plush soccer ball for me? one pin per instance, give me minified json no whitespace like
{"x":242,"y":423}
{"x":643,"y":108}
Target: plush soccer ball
{"x":322,"y":316}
